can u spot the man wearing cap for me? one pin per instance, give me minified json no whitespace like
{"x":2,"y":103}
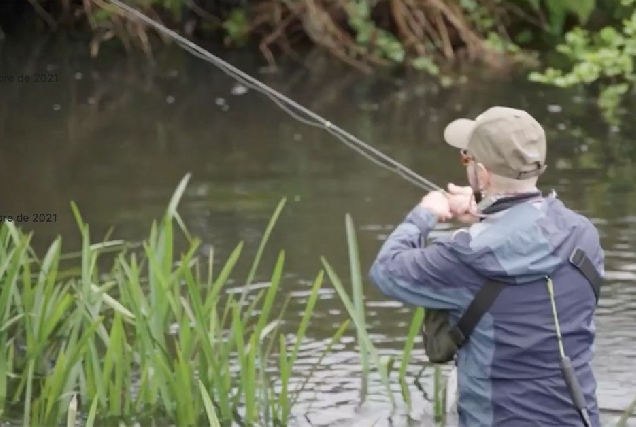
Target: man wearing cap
{"x":491,"y":277}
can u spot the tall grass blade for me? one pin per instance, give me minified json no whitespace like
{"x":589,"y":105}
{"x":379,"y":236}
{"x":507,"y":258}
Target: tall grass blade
{"x":29,"y":394}
{"x":439,"y":394}
{"x":209,"y":407}
{"x":309,"y":310}
{"x":264,"y":240}
{"x":414,"y":330}
{"x":210,"y":268}
{"x":72,"y":412}
{"x":92,"y":414}
{"x":113,"y":303}
{"x":272,"y":291}
{"x":4,"y":369}
{"x":224,"y":275}
{"x":337,"y":284}
{"x":629,"y":411}
{"x":78,"y":217}
{"x":358,"y":301}
{"x":177,"y":195}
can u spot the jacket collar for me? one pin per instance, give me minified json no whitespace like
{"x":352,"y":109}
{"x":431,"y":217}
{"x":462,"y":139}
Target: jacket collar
{"x":495,"y":204}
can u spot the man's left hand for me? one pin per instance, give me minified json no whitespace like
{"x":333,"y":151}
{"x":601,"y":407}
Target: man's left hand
{"x":462,"y":204}
{"x":438,"y":204}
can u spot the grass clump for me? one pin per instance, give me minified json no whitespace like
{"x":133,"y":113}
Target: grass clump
{"x":154,"y":338}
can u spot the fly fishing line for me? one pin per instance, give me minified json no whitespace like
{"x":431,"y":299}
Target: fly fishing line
{"x":287,"y":104}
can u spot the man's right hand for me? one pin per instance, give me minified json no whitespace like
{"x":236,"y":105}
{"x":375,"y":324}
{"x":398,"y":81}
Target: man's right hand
{"x":462,"y":203}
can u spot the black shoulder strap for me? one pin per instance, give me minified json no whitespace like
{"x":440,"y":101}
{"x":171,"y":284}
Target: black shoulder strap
{"x":580,"y":260}
{"x":480,"y":304}
{"x":489,"y":292}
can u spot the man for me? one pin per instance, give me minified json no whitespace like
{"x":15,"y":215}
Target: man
{"x":509,"y":366}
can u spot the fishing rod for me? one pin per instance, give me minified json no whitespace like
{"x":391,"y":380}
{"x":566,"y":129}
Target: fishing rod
{"x":287,"y":104}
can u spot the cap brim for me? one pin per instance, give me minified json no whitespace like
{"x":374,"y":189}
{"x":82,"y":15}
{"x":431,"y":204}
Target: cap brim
{"x":458,"y":132}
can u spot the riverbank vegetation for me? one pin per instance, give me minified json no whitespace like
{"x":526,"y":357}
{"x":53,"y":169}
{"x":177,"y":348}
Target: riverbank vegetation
{"x":586,"y":42}
{"x":160,"y":337}
{"x":604,"y":58}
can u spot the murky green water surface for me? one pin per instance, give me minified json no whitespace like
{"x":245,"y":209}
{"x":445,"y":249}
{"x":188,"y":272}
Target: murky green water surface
{"x":116,"y":135}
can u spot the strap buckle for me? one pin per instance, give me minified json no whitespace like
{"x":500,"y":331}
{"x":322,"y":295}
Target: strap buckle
{"x":577,"y":257}
{"x":580,"y":260}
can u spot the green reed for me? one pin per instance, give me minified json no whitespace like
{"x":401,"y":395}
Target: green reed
{"x":629,"y":412}
{"x":358,"y":301}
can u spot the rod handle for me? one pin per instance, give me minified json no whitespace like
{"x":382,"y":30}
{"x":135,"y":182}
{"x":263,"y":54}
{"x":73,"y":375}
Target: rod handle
{"x":574,"y":387}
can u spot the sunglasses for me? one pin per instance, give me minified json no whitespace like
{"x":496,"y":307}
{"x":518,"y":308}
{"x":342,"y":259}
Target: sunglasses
{"x":465,"y":157}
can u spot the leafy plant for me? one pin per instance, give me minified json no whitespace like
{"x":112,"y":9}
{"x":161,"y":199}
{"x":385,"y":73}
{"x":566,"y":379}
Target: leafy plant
{"x":384,"y":44}
{"x":605,"y":58}
{"x":559,"y":9}
{"x":237,"y":26}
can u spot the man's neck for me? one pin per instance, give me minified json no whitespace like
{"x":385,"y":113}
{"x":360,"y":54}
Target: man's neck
{"x":496,"y":192}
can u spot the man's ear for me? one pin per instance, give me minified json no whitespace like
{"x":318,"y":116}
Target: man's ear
{"x":484,"y":176}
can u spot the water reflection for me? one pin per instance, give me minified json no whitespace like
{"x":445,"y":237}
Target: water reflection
{"x":118,"y":137}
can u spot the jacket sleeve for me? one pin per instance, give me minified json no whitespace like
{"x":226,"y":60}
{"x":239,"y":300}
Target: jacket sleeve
{"x":421,"y":276}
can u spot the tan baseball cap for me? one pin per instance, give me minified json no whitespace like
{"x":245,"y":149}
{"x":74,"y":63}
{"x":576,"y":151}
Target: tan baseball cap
{"x":507,"y":141}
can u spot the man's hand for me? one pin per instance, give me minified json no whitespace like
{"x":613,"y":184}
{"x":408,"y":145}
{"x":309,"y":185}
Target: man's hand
{"x":457,"y":190}
{"x":438,"y":204}
{"x":462,"y":203}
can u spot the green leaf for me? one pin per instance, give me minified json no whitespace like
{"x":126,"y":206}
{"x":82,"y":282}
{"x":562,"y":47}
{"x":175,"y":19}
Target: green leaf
{"x":556,"y":14}
{"x":209,"y":406}
{"x":582,"y":8}
{"x":622,"y":422}
{"x":423,"y":63}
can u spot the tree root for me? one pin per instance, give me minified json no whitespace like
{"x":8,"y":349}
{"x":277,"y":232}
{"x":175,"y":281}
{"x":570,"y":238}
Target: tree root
{"x":426,"y":28}
{"x":39,"y":10}
{"x":405,"y":17}
{"x":455,"y":16}
{"x":322,"y":30}
{"x":277,"y":35}
{"x":126,"y":28}
{"x":438,"y":30}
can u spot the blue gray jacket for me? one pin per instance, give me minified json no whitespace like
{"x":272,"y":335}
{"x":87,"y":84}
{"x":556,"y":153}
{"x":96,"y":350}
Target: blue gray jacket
{"x":508,"y":371}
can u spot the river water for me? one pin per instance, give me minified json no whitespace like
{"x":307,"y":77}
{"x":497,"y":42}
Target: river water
{"x":116,"y":135}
